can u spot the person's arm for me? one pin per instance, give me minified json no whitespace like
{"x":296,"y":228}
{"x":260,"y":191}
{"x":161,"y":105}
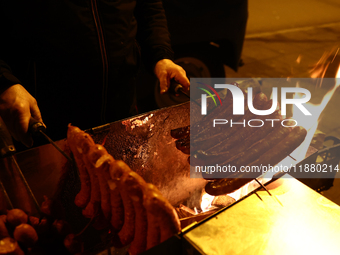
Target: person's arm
{"x":7,"y":79}
{"x":154,"y":38}
{"x":16,"y":105}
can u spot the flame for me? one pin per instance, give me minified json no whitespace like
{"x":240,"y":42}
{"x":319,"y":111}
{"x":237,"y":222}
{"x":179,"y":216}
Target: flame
{"x":206,"y":202}
{"x":310,"y":123}
{"x":237,"y":195}
{"x":320,"y":68}
{"x":298,"y":60}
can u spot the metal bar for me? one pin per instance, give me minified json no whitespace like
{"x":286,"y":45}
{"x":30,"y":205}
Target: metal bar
{"x":264,"y":187}
{"x":56,"y":146}
{"x":258,"y":196}
{"x":185,"y":94}
{"x":6,"y":195}
{"x":26,"y":184}
{"x":292,"y":157}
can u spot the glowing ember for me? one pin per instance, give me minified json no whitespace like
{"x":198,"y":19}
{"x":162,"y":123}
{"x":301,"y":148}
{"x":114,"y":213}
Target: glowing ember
{"x":298,"y":60}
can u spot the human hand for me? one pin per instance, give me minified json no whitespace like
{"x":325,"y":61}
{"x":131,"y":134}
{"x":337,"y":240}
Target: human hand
{"x":16,"y":108}
{"x":166,"y":70}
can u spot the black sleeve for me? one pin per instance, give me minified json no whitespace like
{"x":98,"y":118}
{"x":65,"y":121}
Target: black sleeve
{"x":7,"y":79}
{"x":152,"y":35}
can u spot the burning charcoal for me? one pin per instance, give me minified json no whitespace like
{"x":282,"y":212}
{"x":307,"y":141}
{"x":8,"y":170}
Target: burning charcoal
{"x":222,"y":201}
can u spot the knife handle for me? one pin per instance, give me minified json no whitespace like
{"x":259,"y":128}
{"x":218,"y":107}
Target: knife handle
{"x":35,"y":127}
{"x":6,"y":143}
{"x":175,"y":87}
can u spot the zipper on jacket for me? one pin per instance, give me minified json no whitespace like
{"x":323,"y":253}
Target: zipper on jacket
{"x":96,"y":19}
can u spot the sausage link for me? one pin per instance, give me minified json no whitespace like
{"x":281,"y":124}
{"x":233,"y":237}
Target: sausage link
{"x":119,"y":172}
{"x":162,"y":210}
{"x":153,"y":235}
{"x":215,"y":136}
{"x":224,"y":111}
{"x":260,"y":147}
{"x":226,"y":186}
{"x":241,"y":133}
{"x":272,"y":157}
{"x":134,"y":185}
{"x":180,"y":133}
{"x":103,"y":161}
{"x":117,"y":207}
{"x":79,"y":142}
{"x":92,"y":208}
{"x":283,"y":148}
{"x":184,"y":145}
{"x":216,"y":155}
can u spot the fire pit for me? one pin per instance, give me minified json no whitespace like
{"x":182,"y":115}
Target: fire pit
{"x":145,"y":144}
{"x":233,"y":223}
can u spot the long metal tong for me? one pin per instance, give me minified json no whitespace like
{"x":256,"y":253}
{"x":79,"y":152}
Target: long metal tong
{"x":7,"y":149}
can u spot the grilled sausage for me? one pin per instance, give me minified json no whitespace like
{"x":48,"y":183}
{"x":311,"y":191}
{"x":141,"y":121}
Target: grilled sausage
{"x":79,"y":143}
{"x":272,"y":157}
{"x":241,"y":133}
{"x":162,"y":210}
{"x":283,"y":148}
{"x":217,"y":155}
{"x":119,"y":172}
{"x":93,"y":207}
{"x":214,"y":136}
{"x":184,"y":145}
{"x":224,"y":111}
{"x":153,"y":235}
{"x":260,"y":147}
{"x":226,"y":186}
{"x":102,"y":160}
{"x":134,"y":185}
{"x":117,"y":207}
{"x":180,"y":133}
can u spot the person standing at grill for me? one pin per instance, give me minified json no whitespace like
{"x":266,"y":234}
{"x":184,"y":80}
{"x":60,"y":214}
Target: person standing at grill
{"x":78,"y":60}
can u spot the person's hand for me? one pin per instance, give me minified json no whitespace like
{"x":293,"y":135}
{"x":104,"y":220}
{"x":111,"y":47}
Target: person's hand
{"x":166,"y":70}
{"x":16,"y":108}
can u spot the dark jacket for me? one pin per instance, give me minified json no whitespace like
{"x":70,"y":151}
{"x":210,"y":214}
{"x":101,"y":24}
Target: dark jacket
{"x":78,"y":57}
